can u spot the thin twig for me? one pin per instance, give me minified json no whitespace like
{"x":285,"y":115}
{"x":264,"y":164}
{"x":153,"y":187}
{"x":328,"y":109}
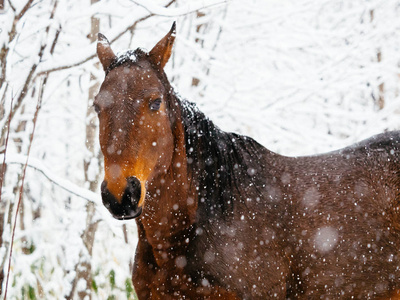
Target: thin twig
{"x":11,"y":5}
{"x":3,"y":169}
{"x":179,"y":14}
{"x":21,"y":190}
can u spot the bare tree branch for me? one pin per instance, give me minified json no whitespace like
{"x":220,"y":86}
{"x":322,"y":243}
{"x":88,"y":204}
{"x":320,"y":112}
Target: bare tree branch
{"x":190,"y":8}
{"x":24,"y":10}
{"x":11,"y":5}
{"x":93,"y":54}
{"x":3,"y":169}
{"x":11,"y":35}
{"x":30,"y":78}
{"x":38,"y":106}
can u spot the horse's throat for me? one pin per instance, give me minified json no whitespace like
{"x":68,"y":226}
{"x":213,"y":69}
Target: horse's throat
{"x":168,"y":216}
{"x":170,"y":250}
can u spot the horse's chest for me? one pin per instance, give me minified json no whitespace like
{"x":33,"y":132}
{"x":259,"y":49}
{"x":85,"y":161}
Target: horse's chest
{"x":226,"y":257}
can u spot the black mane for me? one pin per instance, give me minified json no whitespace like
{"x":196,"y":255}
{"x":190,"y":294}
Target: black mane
{"x":223,"y":164}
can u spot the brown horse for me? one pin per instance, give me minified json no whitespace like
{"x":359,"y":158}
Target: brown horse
{"x":221,"y":217}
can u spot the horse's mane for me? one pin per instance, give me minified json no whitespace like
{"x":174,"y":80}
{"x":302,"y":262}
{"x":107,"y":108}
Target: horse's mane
{"x":225,"y":166}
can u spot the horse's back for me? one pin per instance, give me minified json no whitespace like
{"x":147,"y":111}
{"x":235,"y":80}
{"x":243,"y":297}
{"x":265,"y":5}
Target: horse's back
{"x":345,"y":231}
{"x":317,"y":226}
{"x":372,"y":165}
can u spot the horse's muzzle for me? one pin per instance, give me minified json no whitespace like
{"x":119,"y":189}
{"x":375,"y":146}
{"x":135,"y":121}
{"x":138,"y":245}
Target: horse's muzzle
{"x":128,"y":207}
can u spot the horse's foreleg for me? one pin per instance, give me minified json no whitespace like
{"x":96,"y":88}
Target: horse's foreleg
{"x":190,"y":291}
{"x":145,"y":267}
{"x":214,"y":293}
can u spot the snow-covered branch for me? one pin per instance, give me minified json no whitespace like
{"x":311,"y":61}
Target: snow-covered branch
{"x":189,"y":8}
{"x":80,"y":55}
{"x":63,"y":183}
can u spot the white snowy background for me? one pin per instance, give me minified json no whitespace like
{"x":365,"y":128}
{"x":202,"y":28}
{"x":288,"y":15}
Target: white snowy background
{"x":301,"y":77}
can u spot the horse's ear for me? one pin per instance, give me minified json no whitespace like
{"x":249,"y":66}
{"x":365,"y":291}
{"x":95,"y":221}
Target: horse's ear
{"x":161,"y":52}
{"x":104,"y":51}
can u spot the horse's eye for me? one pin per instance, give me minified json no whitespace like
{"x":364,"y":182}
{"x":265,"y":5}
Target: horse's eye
{"x":155,"y":104}
{"x":96,"y":108}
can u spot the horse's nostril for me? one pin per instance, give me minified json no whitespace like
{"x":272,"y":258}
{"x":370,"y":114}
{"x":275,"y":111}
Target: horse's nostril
{"x":133,"y":180}
{"x":103,"y":186}
{"x":133,"y":189}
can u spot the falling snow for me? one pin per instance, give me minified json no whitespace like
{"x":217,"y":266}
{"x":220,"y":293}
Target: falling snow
{"x":299,"y":77}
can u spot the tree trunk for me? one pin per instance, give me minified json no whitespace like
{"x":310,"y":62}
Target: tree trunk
{"x":84,"y":267}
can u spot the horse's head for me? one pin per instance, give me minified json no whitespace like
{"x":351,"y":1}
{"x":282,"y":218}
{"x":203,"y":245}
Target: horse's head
{"x":135,"y":132}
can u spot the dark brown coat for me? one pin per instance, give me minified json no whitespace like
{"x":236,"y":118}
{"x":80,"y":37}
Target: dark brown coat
{"x":221,"y":217}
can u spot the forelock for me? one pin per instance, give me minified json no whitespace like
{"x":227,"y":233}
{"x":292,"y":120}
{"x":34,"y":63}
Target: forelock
{"x":128,"y":57}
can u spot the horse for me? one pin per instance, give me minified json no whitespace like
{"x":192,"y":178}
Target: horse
{"x":219,"y":216}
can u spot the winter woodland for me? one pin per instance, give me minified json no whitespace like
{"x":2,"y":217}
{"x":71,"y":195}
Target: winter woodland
{"x":301,"y":77}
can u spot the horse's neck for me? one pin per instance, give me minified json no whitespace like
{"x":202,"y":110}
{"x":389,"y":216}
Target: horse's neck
{"x":207,"y":169}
